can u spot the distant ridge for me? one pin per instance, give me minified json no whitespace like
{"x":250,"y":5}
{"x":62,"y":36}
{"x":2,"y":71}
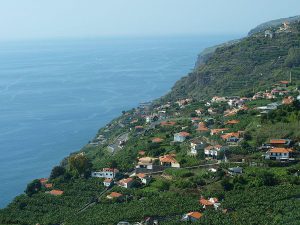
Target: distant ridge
{"x":273,"y":23}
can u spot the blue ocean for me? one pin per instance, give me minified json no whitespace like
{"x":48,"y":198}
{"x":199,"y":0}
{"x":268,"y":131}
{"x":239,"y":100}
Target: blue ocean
{"x":56,"y":94}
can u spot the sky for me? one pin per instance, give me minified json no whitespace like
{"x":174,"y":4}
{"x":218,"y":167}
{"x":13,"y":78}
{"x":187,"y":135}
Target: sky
{"x":35,"y":19}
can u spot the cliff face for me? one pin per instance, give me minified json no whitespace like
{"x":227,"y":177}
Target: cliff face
{"x":242,"y":66}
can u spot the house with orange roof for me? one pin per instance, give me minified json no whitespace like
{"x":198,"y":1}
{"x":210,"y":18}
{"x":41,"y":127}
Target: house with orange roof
{"x":157,"y":140}
{"x":181,"y":136}
{"x":48,"y":185}
{"x":288,"y":100}
{"x":202,"y":127}
{"x":126,"y":182}
{"x":56,"y":192}
{"x":209,"y":203}
{"x":280,"y":142}
{"x":105,"y":173}
{"x":43,"y":181}
{"x":108,"y":182}
{"x":146,"y":163}
{"x":145,"y":179}
{"x":114,"y":195}
{"x":217,"y":131}
{"x":191,"y":217}
{"x":169,"y":161}
{"x":167,"y":123}
{"x":283,"y":154}
{"x":232,"y":122}
{"x":231,"y":138}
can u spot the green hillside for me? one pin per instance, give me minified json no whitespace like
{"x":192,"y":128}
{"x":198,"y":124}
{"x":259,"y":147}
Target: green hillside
{"x":249,"y":65}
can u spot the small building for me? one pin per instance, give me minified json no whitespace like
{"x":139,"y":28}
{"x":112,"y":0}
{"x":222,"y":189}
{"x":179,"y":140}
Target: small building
{"x":269,"y":33}
{"x":288,"y":100}
{"x":108,"y":182}
{"x":209,"y":203}
{"x":145,"y":179}
{"x":169,"y":161}
{"x":167,"y":123}
{"x":157,"y":140}
{"x":235,"y":170}
{"x":138,"y":128}
{"x":231,"y":138}
{"x":114,"y":195}
{"x":202,"y":127}
{"x":146,"y":163}
{"x":126,"y":183}
{"x":279,"y":154}
{"x":106,"y":173}
{"x":191,"y":217}
{"x":48,"y":185}
{"x":217,"y":131}
{"x":56,"y":192}
{"x":232,"y":122}
{"x":280,"y":143}
{"x":181,"y":136}
{"x":195,"y":147}
{"x":213,"y":151}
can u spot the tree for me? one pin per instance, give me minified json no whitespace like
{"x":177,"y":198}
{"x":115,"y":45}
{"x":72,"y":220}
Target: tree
{"x":33,"y":187}
{"x":293,"y":58}
{"x":80,"y":164}
{"x":57,"y":171}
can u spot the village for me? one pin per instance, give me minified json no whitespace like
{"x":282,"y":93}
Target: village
{"x":188,"y":135}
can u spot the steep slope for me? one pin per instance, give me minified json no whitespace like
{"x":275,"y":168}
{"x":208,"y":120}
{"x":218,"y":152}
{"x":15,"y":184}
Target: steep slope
{"x":242,"y":67}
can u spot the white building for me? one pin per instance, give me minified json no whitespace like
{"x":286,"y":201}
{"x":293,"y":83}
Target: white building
{"x":213,"y":151}
{"x":145,"y":179}
{"x":279,"y":154}
{"x":105,"y":173}
{"x":181,"y":136}
{"x":195,"y":147}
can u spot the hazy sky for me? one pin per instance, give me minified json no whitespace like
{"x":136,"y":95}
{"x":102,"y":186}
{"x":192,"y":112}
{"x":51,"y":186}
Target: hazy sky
{"x":21,"y":19}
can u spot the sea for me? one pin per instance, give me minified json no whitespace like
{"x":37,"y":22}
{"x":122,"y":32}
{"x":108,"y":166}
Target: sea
{"x":55,"y":94}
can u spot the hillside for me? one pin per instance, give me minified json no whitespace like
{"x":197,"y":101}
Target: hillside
{"x":227,"y":160}
{"x":245,"y":66}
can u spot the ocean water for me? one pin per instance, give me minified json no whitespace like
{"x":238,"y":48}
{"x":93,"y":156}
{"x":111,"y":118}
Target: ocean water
{"x":55,"y":95}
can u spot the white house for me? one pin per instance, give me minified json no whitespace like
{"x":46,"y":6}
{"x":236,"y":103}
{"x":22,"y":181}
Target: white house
{"x":181,"y":136}
{"x":105,"y":173}
{"x":210,"y":203}
{"x":213,"y":151}
{"x":146,"y":163}
{"x":108,"y":182}
{"x":145,"y":179}
{"x":126,"y":183}
{"x":195,"y":147}
{"x":169,"y":161}
{"x":279,"y":154}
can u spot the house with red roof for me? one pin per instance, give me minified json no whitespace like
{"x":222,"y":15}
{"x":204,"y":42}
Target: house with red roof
{"x":202,"y":127}
{"x":169,"y":161}
{"x":56,"y":192}
{"x":114,"y":195}
{"x":213,"y":151}
{"x":181,"y":136}
{"x":145,"y":179}
{"x":279,"y":154}
{"x":209,"y":203}
{"x":280,"y":142}
{"x":157,"y":140}
{"x":126,"y":182}
{"x":191,"y":217}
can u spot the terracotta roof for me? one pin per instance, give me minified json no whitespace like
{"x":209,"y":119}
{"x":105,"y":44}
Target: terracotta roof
{"x":126,"y":180}
{"x":206,"y":202}
{"x":196,"y":215}
{"x":43,"y":180}
{"x":110,"y":170}
{"x":167,"y":123}
{"x":232,"y":122}
{"x":50,"y":185}
{"x":141,"y":175}
{"x":157,"y":140}
{"x":216,"y":131}
{"x":229,"y":135}
{"x":56,"y":192}
{"x":146,"y":160}
{"x":138,"y":127}
{"x":284,"y":82}
{"x":184,"y":134}
{"x":114,"y":195}
{"x":167,"y":159}
{"x":277,"y":141}
{"x":202,"y":127}
{"x":280,"y":150}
